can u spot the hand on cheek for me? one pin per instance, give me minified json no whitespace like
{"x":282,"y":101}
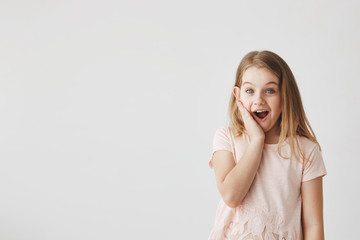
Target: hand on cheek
{"x":244,"y":102}
{"x":253,"y":129}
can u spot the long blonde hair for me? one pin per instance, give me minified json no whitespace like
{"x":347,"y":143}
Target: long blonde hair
{"x":293,"y":121}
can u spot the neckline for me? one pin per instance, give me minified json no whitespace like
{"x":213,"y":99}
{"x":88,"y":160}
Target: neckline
{"x":271,"y":145}
{"x":266,"y":145}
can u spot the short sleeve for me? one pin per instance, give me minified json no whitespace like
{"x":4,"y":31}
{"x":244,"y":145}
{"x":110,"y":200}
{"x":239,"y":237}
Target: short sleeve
{"x":314,"y":166}
{"x":221,"y":141}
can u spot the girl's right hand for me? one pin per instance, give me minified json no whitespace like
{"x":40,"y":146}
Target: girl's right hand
{"x":253,"y":129}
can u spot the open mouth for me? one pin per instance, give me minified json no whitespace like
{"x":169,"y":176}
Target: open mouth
{"x":261,"y":114}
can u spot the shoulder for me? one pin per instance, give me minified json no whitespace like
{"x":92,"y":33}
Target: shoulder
{"x":306,"y":145}
{"x":310,"y":150}
{"x":222,"y":129}
{"x":313,"y":162}
{"x":221,"y":141}
{"x":227,"y":132}
{"x":222,"y":132}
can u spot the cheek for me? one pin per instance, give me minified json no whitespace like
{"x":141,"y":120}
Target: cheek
{"x":276,"y":104}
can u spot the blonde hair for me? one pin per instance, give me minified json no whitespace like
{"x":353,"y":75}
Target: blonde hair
{"x":293,"y":121}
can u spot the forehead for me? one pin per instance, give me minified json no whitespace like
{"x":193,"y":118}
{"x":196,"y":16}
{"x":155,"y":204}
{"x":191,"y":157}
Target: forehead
{"x":259,"y":76}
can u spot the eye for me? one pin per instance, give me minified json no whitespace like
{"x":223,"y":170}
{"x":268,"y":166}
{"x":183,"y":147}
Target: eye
{"x":270,"y":91}
{"x":249,"y":91}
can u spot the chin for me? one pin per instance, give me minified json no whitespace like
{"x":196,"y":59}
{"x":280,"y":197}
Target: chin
{"x":265,"y":127}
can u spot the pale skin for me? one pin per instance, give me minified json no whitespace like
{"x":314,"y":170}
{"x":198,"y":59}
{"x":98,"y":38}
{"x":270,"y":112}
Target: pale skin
{"x":234,"y":179}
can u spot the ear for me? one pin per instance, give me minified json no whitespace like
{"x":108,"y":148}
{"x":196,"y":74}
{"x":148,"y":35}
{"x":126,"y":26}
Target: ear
{"x":236,"y":92}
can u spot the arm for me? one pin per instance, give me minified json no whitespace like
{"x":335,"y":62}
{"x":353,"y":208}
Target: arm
{"x":312,"y":209}
{"x":234,"y":180}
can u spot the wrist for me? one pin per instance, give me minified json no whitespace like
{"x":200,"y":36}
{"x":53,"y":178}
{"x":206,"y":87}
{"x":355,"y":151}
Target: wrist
{"x":257,"y":140}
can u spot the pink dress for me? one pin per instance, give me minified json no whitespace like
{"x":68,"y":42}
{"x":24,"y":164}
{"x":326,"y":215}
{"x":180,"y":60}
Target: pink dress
{"x":272,"y":207}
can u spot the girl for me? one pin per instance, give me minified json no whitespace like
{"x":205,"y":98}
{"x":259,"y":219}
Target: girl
{"x":267,"y":162}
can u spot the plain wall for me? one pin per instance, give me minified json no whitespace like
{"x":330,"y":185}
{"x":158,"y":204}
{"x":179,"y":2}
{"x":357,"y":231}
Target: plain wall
{"x":108,"y":110}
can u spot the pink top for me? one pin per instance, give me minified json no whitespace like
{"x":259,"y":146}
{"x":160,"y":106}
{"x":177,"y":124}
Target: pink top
{"x":272,"y":207}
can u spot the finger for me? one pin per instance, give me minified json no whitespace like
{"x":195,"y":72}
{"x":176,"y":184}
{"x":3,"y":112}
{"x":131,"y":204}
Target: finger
{"x":242,"y":108}
{"x":246,"y":115}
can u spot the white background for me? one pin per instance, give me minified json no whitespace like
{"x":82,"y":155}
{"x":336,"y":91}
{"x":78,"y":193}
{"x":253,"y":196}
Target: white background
{"x":108,"y":110}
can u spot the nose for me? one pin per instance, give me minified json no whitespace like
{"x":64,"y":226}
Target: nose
{"x":258,"y":100}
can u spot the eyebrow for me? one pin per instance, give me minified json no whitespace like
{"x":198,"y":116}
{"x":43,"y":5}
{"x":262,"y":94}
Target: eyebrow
{"x":271,"y":82}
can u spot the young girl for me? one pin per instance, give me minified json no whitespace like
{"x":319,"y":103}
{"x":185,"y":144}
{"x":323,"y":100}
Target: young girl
{"x":267,"y":162}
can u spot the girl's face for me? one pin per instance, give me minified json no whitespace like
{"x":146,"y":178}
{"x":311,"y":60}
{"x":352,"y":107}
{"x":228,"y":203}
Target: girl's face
{"x":260,"y":94}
